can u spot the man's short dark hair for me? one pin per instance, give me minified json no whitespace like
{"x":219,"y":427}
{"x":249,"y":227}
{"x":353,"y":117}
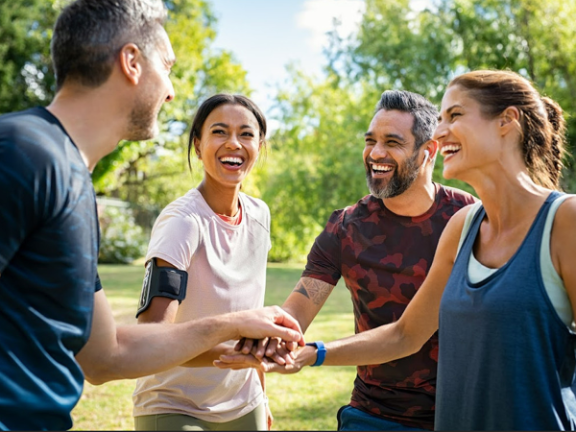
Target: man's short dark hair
{"x":424,"y":112}
{"x":89,"y":34}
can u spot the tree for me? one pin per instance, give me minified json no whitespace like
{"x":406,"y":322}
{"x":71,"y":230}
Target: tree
{"x":26,"y":77}
{"x":316,"y":159}
{"x":421,"y":51}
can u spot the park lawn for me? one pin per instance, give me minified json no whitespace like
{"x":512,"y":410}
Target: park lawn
{"x":308,"y":400}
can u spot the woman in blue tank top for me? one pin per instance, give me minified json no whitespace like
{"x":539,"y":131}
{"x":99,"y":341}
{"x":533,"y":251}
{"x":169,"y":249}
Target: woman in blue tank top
{"x":506,"y":359}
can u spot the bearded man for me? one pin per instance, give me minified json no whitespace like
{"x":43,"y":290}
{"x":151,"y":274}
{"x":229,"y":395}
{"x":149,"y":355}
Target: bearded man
{"x":383,"y":247}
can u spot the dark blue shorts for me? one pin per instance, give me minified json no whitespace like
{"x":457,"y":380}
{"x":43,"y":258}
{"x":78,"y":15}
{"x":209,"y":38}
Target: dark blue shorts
{"x":353,"y":419}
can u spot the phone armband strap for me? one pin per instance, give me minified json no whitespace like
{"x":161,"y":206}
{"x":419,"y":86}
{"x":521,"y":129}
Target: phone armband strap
{"x":162,"y":282}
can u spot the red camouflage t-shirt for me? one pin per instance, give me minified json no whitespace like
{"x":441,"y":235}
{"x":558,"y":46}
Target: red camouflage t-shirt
{"x":384,"y":258}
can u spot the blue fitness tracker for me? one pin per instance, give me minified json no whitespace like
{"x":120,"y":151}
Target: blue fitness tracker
{"x":320,"y":352}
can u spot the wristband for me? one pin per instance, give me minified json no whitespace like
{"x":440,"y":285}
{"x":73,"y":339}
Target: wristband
{"x":320,"y":352}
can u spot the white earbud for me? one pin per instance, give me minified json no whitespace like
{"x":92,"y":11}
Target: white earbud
{"x":426,"y":156}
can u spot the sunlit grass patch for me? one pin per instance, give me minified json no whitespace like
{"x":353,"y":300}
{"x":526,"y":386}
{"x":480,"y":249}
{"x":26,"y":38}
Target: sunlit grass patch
{"x":308,"y":400}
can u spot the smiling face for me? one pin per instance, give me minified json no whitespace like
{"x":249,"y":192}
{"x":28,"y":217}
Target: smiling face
{"x":467,"y":138}
{"x":155,"y":89}
{"x":229,"y":144}
{"x":390,"y":159}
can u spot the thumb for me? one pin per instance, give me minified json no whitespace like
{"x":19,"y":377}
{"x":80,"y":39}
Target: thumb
{"x":288,"y":325}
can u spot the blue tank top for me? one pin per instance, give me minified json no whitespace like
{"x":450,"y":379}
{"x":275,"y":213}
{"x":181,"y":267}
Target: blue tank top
{"x":506,"y":360}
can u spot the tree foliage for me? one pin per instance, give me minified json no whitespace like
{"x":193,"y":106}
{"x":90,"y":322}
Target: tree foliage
{"x":26,"y":77}
{"x":421,"y":51}
{"x":316,"y":162}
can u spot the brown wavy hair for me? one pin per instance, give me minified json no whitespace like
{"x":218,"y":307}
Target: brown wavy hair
{"x":542,"y":124}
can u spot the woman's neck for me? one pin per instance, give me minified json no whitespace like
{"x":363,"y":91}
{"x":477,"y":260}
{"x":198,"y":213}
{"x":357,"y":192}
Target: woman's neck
{"x":222,"y":200}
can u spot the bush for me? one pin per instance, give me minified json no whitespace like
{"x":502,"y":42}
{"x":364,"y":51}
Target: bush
{"x":122,"y":240}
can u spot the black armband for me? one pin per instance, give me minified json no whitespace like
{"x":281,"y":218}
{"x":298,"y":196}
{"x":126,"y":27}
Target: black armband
{"x":161,"y":282}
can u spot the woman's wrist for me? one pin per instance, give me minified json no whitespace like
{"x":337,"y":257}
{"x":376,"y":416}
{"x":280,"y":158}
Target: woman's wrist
{"x":307,"y":356}
{"x":320,"y":352}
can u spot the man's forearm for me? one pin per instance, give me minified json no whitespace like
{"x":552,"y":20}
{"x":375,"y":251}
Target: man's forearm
{"x":146,"y":349}
{"x":307,"y":299}
{"x":138,"y":350}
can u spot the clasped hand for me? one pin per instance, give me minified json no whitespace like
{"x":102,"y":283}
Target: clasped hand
{"x":268,"y":355}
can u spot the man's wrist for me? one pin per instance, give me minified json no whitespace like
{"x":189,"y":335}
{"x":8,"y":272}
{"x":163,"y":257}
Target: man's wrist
{"x":225,"y":327}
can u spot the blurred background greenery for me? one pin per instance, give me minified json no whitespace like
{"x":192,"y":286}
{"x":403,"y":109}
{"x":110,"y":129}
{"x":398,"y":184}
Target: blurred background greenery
{"x":314,"y":160}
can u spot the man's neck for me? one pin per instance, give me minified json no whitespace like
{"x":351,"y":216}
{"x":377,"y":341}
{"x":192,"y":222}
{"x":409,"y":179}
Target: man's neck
{"x":415,"y":201}
{"x":94,"y":126}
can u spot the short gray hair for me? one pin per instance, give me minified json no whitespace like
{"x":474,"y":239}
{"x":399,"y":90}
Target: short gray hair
{"x":423,"y":111}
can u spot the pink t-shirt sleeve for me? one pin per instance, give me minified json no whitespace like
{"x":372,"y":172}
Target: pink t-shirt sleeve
{"x":174,"y":239}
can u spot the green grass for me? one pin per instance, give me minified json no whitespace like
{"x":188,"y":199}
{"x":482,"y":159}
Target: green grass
{"x":308,"y":400}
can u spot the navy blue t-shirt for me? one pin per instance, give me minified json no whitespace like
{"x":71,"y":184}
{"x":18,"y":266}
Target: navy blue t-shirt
{"x":48,"y":270}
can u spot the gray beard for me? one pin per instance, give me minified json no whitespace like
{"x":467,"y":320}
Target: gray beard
{"x":401,"y":180}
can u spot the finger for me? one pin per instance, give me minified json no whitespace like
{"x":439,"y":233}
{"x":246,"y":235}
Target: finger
{"x":291,"y":346}
{"x":287,"y":327}
{"x":221,"y":365}
{"x":282,"y":350}
{"x":272,"y":347}
{"x":261,"y":349}
{"x":239,"y":361}
{"x":239,"y":344}
{"x":248,"y":344}
{"x":282,"y":355}
{"x":289,"y":359}
{"x":289,"y":349}
{"x":276,"y":358}
{"x":270,"y":366}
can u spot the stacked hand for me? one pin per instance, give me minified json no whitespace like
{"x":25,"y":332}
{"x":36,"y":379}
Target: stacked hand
{"x":266,"y":322}
{"x":268,"y":355}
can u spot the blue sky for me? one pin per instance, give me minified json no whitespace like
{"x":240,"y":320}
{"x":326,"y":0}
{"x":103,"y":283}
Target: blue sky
{"x":266,"y":35}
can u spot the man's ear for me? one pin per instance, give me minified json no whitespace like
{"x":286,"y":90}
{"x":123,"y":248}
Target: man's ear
{"x":432,"y":147}
{"x":130,"y":58}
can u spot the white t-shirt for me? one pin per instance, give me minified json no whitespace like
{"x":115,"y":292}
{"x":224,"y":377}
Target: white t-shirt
{"x":226,"y":267}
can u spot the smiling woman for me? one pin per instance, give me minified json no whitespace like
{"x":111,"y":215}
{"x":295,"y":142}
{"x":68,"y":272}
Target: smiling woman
{"x":211,"y":247}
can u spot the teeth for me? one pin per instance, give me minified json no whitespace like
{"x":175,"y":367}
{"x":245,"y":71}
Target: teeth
{"x":450,"y":148}
{"x":381,"y":168}
{"x":231,"y":159}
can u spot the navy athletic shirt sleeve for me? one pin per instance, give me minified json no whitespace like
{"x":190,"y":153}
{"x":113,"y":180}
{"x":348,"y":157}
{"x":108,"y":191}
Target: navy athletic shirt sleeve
{"x":20,"y":213}
{"x":48,"y":270}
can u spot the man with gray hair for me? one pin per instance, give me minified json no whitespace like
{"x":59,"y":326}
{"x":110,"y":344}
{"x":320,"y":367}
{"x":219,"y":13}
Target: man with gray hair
{"x":112,"y":61}
{"x":383,"y":247}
